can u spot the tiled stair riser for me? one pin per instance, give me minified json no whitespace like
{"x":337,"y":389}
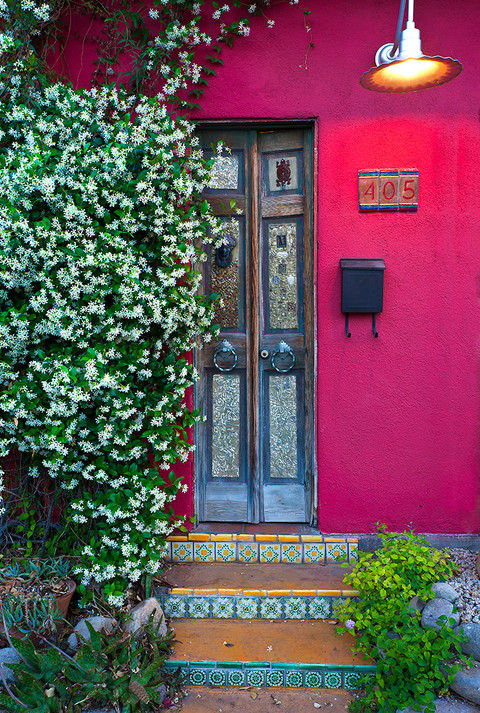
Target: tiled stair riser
{"x":291,"y":675}
{"x":306,"y":549}
{"x":248,"y":607}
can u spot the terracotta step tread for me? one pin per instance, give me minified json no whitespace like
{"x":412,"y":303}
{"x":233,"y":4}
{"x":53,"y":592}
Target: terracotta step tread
{"x":259,"y":640}
{"x":235,"y":575}
{"x":201,"y":699}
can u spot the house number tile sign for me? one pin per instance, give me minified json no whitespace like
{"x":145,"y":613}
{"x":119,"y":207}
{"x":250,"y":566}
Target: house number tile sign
{"x":395,"y":189}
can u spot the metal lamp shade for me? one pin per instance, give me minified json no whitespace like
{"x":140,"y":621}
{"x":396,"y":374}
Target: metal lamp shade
{"x":411,"y":74}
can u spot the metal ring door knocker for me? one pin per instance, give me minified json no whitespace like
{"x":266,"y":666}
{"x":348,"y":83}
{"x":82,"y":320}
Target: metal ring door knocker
{"x":223,"y":349}
{"x":282,"y":348}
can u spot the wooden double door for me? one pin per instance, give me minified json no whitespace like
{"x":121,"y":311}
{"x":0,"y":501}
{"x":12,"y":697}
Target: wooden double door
{"x":254,"y":451}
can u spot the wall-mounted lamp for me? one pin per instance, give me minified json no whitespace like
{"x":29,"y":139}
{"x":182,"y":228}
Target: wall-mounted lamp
{"x":402,"y":67}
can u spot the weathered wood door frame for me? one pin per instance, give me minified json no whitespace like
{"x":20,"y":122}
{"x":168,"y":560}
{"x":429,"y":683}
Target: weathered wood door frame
{"x":249,"y":352}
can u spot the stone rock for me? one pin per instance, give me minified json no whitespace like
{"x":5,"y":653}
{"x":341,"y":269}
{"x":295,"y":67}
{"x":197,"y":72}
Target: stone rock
{"x":141,"y":615}
{"x":444,"y":705}
{"x":162,"y":691}
{"x":417,"y":604}
{"x":8,"y":655}
{"x":99,"y":623}
{"x":471,"y":647}
{"x":436,"y":608}
{"x":445,"y":591}
{"x":467,"y":684}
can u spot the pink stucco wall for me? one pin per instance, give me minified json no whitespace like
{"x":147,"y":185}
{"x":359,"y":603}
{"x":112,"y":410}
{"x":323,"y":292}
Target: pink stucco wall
{"x":397,"y":416}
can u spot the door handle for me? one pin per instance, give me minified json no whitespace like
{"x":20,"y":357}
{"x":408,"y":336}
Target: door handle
{"x":282,"y":348}
{"x":223,"y":349}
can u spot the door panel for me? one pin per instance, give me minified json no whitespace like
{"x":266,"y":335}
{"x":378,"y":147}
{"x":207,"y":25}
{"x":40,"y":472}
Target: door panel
{"x":254,"y":450}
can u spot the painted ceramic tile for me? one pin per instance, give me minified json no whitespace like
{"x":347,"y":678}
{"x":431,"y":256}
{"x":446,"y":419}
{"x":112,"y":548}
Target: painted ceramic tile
{"x":182,"y":551}
{"x":336,"y":551}
{"x":271,"y":608}
{"x":199,"y":607}
{"x":351,"y":680}
{"x":225,"y":552}
{"x":314,"y":552}
{"x":236,"y":678}
{"x":175,"y":607}
{"x":168,"y":551}
{"x":336,"y":602}
{"x":319,"y":608}
{"x":294,"y":679}
{"x":204,"y":551}
{"x":333,"y":679}
{"x":217,"y":677}
{"x":353,"y":552}
{"x":223,"y":608}
{"x":197,"y":677}
{"x":270,"y":554}
{"x":255,"y":678}
{"x":295,"y":608}
{"x":274,"y":678}
{"x":292,"y":554}
{"x":247,"y":608}
{"x":313,"y":679}
{"x":247,"y":553}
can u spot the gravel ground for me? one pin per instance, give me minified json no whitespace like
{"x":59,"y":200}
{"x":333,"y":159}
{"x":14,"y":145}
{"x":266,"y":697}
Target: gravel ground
{"x":467,"y":584}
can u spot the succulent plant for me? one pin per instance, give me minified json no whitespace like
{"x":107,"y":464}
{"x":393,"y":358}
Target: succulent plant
{"x":26,"y":615}
{"x":44,"y":570}
{"x":111,"y":668}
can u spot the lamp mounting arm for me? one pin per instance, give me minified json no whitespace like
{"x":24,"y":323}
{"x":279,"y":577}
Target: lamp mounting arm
{"x":401,"y":15}
{"x":407,"y":42}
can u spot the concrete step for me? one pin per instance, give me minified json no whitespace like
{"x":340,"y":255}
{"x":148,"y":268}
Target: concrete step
{"x":201,"y":699}
{"x":264,"y":548}
{"x":245,"y":591}
{"x":265,"y":653}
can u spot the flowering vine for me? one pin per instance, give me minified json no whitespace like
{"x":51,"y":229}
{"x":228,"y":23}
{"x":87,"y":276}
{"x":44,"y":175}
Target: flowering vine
{"x":101,"y":213}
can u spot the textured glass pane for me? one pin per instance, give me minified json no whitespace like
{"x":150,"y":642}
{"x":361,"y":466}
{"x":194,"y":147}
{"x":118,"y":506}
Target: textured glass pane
{"x":225,"y":280}
{"x":225,"y":425}
{"x":283,"y":426}
{"x":282,"y":275}
{"x":282,"y":173}
{"x":224,"y":174}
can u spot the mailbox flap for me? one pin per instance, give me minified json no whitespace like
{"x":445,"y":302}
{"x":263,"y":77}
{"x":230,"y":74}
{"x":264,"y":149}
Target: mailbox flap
{"x":362,"y":264}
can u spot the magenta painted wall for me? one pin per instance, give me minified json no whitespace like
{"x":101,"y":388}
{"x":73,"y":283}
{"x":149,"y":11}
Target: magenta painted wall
{"x":397,"y":416}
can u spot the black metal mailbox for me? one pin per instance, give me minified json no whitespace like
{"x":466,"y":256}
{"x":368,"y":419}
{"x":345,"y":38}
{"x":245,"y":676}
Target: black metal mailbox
{"x":362,"y":287}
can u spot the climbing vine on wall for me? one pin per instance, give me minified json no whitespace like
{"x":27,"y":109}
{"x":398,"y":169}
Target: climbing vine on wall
{"x":101,"y":211}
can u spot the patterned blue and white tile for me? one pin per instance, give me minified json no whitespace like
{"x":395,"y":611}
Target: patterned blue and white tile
{"x":223,"y":607}
{"x":294,"y":608}
{"x":247,"y":608}
{"x":218,"y":606}
{"x":319,"y":607}
{"x":199,"y":607}
{"x":271,"y":608}
{"x":201,"y":673}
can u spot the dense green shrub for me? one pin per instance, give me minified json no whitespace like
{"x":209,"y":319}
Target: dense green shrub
{"x":98,"y":302}
{"x":101,"y":210}
{"x":113,"y":669}
{"x":410,"y":659}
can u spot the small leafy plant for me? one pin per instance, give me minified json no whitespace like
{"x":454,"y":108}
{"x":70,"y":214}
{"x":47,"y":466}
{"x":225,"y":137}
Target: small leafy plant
{"x":112,"y":668}
{"x":26,"y":615}
{"x":414,"y":665}
{"x":46,"y":570}
{"x":28,"y":589}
